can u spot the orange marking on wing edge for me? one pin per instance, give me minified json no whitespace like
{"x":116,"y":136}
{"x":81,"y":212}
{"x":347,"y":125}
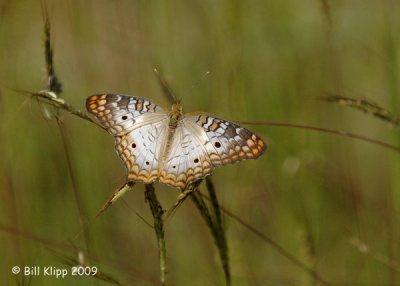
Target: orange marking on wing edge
{"x":172,"y":182}
{"x":146,"y":179}
{"x":132,"y":176}
{"x":207,"y":170}
{"x":141,"y":178}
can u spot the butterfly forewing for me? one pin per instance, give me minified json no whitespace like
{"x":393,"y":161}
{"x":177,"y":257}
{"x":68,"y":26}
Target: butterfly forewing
{"x":227,"y":142}
{"x":119,"y":113}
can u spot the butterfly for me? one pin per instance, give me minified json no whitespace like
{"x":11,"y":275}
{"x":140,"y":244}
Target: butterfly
{"x":173,"y":147}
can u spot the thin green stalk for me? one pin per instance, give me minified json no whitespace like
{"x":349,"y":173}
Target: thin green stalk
{"x":220,"y":234}
{"x":212,"y":216}
{"x":157,"y":212}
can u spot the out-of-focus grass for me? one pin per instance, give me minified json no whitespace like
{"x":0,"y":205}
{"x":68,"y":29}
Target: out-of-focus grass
{"x":269,"y":61}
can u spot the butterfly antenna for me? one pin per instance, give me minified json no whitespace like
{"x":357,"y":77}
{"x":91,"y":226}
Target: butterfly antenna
{"x":195,"y":84}
{"x":167,"y":91}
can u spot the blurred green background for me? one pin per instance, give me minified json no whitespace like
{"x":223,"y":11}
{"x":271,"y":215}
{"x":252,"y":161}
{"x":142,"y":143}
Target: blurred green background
{"x":331,"y":201}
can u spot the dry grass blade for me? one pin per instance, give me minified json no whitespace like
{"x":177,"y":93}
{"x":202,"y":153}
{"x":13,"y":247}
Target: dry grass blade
{"x":326,"y":130}
{"x":52,"y":81}
{"x":364,"y":105}
{"x":51,"y":98}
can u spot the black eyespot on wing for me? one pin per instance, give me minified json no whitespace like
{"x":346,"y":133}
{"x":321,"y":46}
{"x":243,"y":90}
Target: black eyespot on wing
{"x":133,"y":145}
{"x":196,"y":160}
{"x":124,"y":117}
{"x":217,"y":144}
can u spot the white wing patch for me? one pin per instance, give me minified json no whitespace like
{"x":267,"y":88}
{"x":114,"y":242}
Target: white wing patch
{"x":142,"y":148}
{"x":187,"y":159}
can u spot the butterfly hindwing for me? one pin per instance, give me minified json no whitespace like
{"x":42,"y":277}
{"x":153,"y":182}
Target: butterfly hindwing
{"x":186,"y":160}
{"x":141,"y":149}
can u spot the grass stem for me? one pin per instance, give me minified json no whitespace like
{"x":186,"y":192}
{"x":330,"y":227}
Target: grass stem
{"x":213,"y":218}
{"x":157,"y":212}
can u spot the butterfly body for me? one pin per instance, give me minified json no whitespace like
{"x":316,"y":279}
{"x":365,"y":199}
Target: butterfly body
{"x":171,"y":146}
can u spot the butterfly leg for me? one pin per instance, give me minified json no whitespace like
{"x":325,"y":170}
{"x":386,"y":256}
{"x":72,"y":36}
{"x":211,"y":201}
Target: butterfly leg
{"x":182,"y":197}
